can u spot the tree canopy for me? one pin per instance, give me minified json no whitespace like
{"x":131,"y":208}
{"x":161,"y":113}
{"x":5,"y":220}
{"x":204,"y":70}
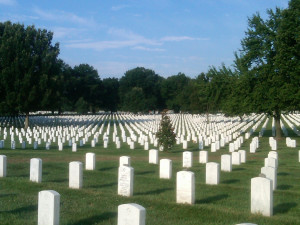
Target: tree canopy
{"x":28,"y":68}
{"x":269,"y":62}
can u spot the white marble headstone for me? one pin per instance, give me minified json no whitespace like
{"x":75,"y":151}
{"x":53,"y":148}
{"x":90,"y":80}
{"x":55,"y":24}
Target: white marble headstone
{"x":48,"y":207}
{"x":262,"y":196}
{"x":125,"y":181}
{"x":212,"y":173}
{"x":90,"y":161}
{"x":187,"y":159}
{"x":165,"y":168}
{"x":185,"y":187}
{"x":131,"y":214}
{"x":226,"y":164}
{"x":75,"y":175}
{"x":36,"y":170}
{"x":3,"y":166}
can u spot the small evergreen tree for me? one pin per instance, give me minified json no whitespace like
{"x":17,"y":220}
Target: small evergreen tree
{"x":165,"y":134}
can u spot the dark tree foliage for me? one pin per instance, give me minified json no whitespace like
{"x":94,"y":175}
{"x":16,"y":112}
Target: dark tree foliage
{"x":146,"y":84}
{"x":165,"y":134}
{"x":110,"y":94}
{"x":269,"y":62}
{"x":28,"y":69}
{"x":87,"y":85}
{"x":172,"y":91}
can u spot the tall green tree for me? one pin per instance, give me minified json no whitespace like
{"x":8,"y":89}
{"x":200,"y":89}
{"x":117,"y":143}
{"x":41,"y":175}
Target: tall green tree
{"x":88,"y":86}
{"x":269,"y":62}
{"x":171,"y":91}
{"x":27,"y":68}
{"x":141,"y":80}
{"x":165,"y":134}
{"x":110,"y":94}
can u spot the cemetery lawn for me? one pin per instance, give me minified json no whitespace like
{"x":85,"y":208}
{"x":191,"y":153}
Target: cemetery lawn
{"x":97,"y":202}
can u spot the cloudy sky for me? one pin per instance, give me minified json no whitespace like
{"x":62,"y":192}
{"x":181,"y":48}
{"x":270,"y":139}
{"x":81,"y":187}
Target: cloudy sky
{"x":167,"y":36}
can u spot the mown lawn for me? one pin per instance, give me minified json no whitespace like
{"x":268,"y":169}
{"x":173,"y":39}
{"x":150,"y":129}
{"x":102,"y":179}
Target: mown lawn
{"x":97,"y":202}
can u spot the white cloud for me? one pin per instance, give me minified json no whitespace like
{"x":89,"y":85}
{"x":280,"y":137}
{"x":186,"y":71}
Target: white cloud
{"x":148,"y":49}
{"x":63,"y":16}
{"x":8,"y":2}
{"x":122,"y":38}
{"x":61,"y":32}
{"x":102,"y":45}
{"x":119,"y":7}
{"x":129,"y":35}
{"x":182,"y":38}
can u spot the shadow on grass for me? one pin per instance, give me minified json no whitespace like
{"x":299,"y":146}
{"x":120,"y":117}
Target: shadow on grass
{"x":212,"y":199}
{"x":104,"y":185}
{"x":157,"y":191}
{"x":143,"y":173}
{"x":95,"y":219}
{"x":24,"y":209}
{"x":7,"y":195}
{"x":232,"y":181}
{"x":24,"y":175}
{"x":59,"y":180}
{"x":107,"y":168}
{"x":284,"y":207}
{"x":238,"y":169}
{"x":284,"y":187}
{"x":282,"y":174}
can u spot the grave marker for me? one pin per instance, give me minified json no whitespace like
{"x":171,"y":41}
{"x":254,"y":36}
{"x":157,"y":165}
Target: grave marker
{"x":48,"y":207}
{"x":3,"y":165}
{"x":90,"y":161}
{"x":131,"y":214}
{"x":212,"y":173}
{"x":125,"y":181}
{"x":262,"y":196}
{"x":36,"y":170}
{"x":75,"y":175}
{"x":185,"y":187}
{"x":165,"y":169}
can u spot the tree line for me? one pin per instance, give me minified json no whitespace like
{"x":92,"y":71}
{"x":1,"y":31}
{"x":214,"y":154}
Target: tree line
{"x":264,"y":77}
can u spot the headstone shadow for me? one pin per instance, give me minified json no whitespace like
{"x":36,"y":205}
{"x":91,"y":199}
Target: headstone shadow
{"x":212,"y":199}
{"x":24,"y":209}
{"x":282,"y":174}
{"x":237,"y":169}
{"x":107,"y":168}
{"x":144,"y":172}
{"x":284,"y":187}
{"x":60,"y":180}
{"x":157,"y":191}
{"x":284,"y":207}
{"x":104,"y":185}
{"x":95,"y":219}
{"x":232,"y":181}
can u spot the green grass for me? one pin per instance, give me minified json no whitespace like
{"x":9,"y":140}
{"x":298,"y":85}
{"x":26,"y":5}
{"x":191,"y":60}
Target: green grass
{"x":97,"y":202}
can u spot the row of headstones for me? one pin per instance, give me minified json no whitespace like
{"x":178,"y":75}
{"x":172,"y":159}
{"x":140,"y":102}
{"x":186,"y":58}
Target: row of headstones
{"x":24,"y":144}
{"x":24,"y":131}
{"x":75,"y":169}
{"x":262,"y":187}
{"x":49,"y":211}
{"x":291,"y":125}
{"x":126,"y":172}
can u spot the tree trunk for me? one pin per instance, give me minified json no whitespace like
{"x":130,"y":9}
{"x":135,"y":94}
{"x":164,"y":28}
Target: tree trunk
{"x":26,"y":123}
{"x":277,"y":125}
{"x":207,"y":117}
{"x":207,"y":114}
{"x":241,"y":118}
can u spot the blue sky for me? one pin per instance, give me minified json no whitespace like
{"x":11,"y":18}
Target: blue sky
{"x":166,"y":36}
